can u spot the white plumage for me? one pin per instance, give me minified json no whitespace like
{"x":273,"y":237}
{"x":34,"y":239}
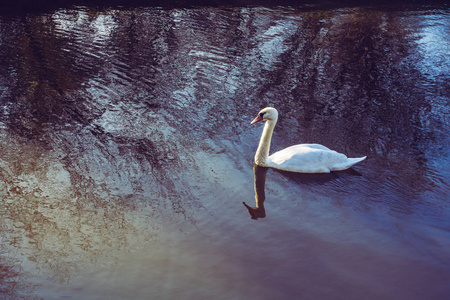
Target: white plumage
{"x":302,"y":158}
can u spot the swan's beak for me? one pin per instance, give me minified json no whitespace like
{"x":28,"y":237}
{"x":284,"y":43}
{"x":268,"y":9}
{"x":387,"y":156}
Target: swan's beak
{"x":257,"y":119}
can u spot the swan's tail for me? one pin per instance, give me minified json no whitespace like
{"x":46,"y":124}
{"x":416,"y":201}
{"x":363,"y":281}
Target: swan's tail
{"x":347,"y":164}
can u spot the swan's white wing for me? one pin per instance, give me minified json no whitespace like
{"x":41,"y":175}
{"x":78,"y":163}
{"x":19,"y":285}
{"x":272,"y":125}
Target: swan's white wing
{"x":313,"y":146}
{"x":306,"y":158}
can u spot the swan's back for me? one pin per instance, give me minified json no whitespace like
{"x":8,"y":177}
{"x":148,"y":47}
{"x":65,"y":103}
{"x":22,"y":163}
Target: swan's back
{"x":309,"y":158}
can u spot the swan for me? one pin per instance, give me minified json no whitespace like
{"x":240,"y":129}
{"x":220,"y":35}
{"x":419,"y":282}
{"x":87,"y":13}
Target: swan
{"x":302,"y":158}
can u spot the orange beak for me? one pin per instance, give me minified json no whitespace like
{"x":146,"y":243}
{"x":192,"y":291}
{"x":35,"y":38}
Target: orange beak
{"x":257,"y":119}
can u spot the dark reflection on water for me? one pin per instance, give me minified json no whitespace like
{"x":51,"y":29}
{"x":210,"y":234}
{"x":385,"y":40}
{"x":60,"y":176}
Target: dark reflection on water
{"x":259,"y":210}
{"x":126,"y":150}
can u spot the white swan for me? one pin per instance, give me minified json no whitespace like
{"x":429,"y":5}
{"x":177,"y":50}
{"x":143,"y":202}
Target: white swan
{"x":302,"y":158}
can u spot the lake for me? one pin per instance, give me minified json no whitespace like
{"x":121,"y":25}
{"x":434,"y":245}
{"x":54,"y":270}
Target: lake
{"x":127,"y":150}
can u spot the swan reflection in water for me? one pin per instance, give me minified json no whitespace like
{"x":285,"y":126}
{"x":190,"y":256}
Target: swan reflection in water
{"x":260,"y":196}
{"x":260,"y":173}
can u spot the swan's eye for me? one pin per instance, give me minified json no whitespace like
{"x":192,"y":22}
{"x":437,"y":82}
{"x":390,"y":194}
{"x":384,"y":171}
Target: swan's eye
{"x":262,"y":114}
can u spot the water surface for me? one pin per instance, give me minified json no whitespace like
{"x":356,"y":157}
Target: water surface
{"x":127,"y":151}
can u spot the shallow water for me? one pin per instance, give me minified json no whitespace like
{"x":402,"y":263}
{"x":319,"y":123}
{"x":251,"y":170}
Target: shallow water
{"x":127,"y":152}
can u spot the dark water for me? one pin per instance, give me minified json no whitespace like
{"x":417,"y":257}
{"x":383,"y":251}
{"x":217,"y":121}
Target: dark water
{"x":127,"y":151}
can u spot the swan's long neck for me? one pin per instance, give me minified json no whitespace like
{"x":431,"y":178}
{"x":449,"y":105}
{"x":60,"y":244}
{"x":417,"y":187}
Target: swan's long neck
{"x":264,"y":143}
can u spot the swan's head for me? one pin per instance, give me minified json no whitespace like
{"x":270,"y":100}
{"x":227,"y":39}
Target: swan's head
{"x":267,"y":114}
